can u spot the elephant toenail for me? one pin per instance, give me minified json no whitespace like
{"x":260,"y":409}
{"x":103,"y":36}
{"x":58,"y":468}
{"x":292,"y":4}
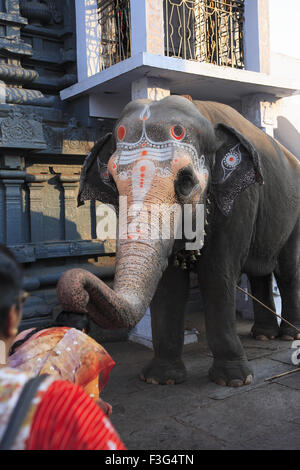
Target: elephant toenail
{"x":221,"y":382}
{"x":235,"y":383}
{"x":261,"y":338}
{"x":248,"y":380}
{"x":170,"y":382}
{"x":297,"y":336}
{"x":152,"y":381}
{"x":286,"y":338}
{"x":142,"y":378}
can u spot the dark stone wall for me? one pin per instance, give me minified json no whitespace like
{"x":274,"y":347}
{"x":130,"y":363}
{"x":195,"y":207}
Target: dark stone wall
{"x":42,"y":147}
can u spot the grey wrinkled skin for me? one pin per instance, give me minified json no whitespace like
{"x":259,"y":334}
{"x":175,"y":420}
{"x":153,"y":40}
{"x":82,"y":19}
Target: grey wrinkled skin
{"x":253,"y":228}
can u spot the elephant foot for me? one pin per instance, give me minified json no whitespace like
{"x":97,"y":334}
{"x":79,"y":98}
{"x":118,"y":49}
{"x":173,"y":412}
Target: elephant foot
{"x":287,"y":333}
{"x":231,"y":373}
{"x":161,"y":371}
{"x":261,"y":333}
{"x":285,"y":337}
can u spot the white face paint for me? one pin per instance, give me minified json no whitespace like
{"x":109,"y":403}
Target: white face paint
{"x":156,"y":158}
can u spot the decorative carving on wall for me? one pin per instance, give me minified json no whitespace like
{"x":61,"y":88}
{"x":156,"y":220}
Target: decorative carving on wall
{"x":37,"y":12}
{"x":17,"y":73}
{"x":22,"y":129}
{"x":55,"y":8}
{"x":76,"y":139}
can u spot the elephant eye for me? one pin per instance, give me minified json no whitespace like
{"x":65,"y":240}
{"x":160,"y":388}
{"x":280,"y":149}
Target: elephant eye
{"x":177,"y":132}
{"x":121,"y":132}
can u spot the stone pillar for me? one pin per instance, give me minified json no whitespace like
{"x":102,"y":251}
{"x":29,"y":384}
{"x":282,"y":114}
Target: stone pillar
{"x":2,"y":213}
{"x":13,"y":210}
{"x":70,"y":186}
{"x":260,"y":110}
{"x":36,"y":211}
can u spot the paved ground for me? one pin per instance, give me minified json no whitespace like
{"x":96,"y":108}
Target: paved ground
{"x":199,"y":414}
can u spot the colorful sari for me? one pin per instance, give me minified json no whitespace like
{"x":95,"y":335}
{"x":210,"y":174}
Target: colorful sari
{"x":67,"y":354}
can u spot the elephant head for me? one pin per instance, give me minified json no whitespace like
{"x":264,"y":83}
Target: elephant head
{"x":161,"y":153}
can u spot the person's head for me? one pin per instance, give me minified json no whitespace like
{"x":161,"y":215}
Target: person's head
{"x":73,"y":320}
{"x":11,"y":295}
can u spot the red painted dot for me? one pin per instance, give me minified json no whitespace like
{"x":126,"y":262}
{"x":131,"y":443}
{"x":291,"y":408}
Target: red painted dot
{"x":142,"y":175}
{"x":144,"y":144}
{"x":231,"y":159}
{"x":121,"y":132}
{"x":144,"y":152}
{"x":143,"y":168}
{"x":114,"y":166}
{"x":105,"y":175}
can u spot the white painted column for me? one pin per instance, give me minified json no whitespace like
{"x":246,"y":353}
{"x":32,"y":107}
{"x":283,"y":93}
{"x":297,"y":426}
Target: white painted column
{"x":148,"y":35}
{"x":147,"y":26}
{"x":257,"y":36}
{"x":88,"y":38}
{"x":150,"y":88}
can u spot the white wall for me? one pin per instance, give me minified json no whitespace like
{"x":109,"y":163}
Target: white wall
{"x":285,"y":60}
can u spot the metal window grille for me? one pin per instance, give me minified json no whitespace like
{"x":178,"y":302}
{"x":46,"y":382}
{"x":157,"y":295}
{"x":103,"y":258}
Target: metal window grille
{"x":115,"y":31}
{"x":205,"y":30}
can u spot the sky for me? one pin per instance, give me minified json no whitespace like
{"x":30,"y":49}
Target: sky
{"x":285,"y":27}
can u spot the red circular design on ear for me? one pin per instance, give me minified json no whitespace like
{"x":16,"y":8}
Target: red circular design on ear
{"x":177,"y":132}
{"x":121,"y":132}
{"x":231,"y":159}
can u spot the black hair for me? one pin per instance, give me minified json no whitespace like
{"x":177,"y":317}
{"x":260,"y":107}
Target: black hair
{"x":73,"y":320}
{"x":11,"y":279}
{"x":67,"y":319}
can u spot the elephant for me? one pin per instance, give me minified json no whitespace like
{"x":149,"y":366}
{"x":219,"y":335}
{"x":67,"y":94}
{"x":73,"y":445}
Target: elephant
{"x":183,"y":152}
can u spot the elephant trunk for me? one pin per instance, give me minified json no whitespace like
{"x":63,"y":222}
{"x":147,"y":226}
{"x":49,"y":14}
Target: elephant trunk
{"x":139,"y":267}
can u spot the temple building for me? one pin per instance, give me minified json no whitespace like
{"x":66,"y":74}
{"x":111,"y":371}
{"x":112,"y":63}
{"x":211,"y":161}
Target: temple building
{"x":67,"y":68}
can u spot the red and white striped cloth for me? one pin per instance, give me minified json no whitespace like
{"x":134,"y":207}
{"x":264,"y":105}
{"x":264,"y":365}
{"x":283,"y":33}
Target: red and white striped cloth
{"x":68,"y":419}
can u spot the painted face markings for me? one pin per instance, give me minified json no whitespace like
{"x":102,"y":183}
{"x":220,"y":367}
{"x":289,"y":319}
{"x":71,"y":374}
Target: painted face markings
{"x":231,"y":161}
{"x":144,"y":159}
{"x":177,"y":132}
{"x":121,"y":132}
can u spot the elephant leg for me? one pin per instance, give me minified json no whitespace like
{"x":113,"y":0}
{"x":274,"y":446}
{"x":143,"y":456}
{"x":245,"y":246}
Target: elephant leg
{"x":167,"y":319}
{"x":230,"y":366}
{"x":288,"y":280}
{"x":265,"y":323}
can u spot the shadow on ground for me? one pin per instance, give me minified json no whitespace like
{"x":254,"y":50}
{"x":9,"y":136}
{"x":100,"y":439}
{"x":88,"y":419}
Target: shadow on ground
{"x":199,"y":414}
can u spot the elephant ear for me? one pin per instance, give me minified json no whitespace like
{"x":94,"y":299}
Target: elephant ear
{"x":236,"y":167}
{"x":95,"y":180}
